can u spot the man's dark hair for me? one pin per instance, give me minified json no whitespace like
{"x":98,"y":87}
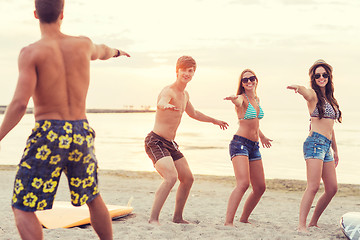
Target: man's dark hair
{"x":48,"y":11}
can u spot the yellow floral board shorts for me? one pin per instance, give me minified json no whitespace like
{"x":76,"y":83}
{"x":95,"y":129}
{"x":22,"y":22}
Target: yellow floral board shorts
{"x":55,"y":146}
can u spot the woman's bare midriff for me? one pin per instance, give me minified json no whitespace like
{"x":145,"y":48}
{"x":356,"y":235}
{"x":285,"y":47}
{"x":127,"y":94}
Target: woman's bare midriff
{"x":249,"y":129}
{"x":322,"y":126}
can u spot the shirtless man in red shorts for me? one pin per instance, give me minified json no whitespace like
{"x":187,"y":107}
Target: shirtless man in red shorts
{"x":170,"y":163}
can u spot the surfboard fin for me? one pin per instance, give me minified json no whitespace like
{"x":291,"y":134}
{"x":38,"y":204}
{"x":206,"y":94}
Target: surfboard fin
{"x":130,"y":201}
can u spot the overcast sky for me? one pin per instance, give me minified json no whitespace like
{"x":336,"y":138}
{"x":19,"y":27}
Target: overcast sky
{"x":278,"y":39}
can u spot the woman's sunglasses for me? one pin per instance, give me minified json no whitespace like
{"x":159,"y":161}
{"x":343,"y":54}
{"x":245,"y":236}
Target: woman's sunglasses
{"x":324,"y":75}
{"x":246,"y":80}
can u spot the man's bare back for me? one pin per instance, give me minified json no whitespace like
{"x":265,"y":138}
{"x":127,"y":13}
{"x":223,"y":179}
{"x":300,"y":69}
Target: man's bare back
{"x":54,"y":71}
{"x":58,"y":70}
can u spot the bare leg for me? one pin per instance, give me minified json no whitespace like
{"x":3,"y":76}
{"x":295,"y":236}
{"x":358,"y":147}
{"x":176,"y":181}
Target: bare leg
{"x":186,"y":180}
{"x":257,"y":179}
{"x":28,"y":225}
{"x":242,"y":175}
{"x":100,"y":218}
{"x":330,"y":184}
{"x":166,"y":168}
{"x":313,"y":170}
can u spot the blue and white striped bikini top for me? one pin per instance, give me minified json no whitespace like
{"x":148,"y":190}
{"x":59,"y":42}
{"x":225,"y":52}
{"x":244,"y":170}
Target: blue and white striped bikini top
{"x":329,"y":111}
{"x":251,"y":111}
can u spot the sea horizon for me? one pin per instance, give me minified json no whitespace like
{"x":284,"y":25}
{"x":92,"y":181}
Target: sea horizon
{"x":125,"y":109}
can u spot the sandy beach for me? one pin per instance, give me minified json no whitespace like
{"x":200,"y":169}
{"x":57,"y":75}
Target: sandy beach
{"x":274,"y":218}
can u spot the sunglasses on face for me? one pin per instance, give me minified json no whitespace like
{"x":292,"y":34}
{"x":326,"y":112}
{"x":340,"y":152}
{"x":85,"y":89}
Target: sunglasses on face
{"x":246,"y":80}
{"x":324,"y":75}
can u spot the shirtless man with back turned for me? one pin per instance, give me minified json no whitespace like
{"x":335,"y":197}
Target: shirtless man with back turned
{"x":54,"y":72}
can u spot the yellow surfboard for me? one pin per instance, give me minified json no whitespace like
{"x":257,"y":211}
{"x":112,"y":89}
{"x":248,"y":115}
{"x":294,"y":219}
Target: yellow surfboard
{"x":65,"y":215}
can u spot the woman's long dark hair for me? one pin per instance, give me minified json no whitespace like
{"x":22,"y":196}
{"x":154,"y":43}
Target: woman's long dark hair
{"x":329,"y":92}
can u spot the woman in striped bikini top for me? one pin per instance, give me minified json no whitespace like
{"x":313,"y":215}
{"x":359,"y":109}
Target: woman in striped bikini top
{"x":251,"y":111}
{"x":244,"y":149}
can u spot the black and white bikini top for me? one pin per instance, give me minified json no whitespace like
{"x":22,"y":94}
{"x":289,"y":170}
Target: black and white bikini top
{"x":329,"y":111}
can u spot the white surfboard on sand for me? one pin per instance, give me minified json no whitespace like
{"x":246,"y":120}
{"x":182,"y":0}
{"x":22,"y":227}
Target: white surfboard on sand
{"x":65,"y":215}
{"x":350,"y":225}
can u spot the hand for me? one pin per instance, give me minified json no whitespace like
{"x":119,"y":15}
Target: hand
{"x":266,"y":142}
{"x":223,"y":125}
{"x":293,"y":87}
{"x":122,"y":53}
{"x":232,"y":97}
{"x":336,"y":159}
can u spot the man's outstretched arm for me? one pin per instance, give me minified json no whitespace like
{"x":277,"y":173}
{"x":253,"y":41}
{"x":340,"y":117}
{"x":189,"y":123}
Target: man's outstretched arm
{"x":190,"y":110}
{"x":103,"y":52}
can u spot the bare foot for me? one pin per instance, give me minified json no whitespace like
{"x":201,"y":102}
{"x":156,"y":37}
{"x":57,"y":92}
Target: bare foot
{"x":154,"y":222}
{"x":229,"y":224}
{"x":313,"y":225}
{"x":245,"y":221}
{"x":181,"y":221}
{"x":302,"y":229}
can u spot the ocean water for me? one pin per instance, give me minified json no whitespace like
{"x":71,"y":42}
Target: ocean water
{"x":120,"y":143}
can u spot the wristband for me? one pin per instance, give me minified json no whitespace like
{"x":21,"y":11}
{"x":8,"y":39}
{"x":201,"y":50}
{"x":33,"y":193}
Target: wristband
{"x":117,"y":54}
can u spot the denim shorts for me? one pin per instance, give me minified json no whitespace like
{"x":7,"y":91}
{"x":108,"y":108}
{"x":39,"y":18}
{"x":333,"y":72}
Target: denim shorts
{"x":244,"y":147}
{"x":317,"y":146}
